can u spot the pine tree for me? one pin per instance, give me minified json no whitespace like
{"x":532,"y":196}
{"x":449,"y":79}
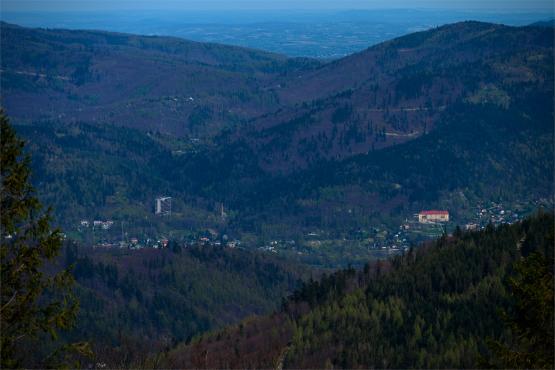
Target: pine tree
{"x":35,"y":300}
{"x":531,"y":321}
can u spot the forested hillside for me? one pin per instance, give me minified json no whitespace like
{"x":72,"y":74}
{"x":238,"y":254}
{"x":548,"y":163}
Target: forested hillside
{"x":135,"y":304}
{"x":108,"y":172}
{"x":400,"y":90}
{"x":438,"y":306}
{"x":448,"y":118}
{"x":479,"y":153}
{"x":152,"y":83}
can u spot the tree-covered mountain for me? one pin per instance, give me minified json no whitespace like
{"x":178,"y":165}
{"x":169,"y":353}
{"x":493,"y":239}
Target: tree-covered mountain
{"x":548,"y":23}
{"x":449,"y":117}
{"x":438,"y":306}
{"x":153,"y":83}
{"x":400,"y":90}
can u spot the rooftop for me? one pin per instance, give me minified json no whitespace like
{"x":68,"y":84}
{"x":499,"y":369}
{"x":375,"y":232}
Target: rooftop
{"x":434,"y":212}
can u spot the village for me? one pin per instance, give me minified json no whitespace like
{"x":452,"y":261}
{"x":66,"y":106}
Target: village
{"x":379,"y":241}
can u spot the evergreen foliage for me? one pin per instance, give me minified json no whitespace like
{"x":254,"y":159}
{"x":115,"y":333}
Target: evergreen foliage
{"x":34,"y":298}
{"x":135,"y":304}
{"x":531,"y":318}
{"x":437,"y":306}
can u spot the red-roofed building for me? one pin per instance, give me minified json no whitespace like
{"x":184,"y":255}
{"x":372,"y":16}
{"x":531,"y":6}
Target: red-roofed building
{"x":433,"y":216}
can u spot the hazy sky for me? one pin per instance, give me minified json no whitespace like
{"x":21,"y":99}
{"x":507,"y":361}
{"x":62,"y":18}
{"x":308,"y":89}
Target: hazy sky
{"x":108,"y":5}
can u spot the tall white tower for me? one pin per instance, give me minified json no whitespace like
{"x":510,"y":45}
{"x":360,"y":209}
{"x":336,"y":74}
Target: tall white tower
{"x":163,"y":206}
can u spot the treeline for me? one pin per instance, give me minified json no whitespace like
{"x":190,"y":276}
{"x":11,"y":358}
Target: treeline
{"x":476,"y":299}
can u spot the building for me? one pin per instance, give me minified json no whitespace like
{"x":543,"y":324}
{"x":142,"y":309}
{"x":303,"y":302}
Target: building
{"x":163,"y":206}
{"x":471,"y":226}
{"x":107,"y":225}
{"x":433,"y":216}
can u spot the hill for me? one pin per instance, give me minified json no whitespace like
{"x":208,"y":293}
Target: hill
{"x":150,"y":83}
{"x":140,"y":302}
{"x":457,"y":104}
{"x":549,"y":24}
{"x":470,"y":106}
{"x":451,"y":118}
{"x":434,"y":307}
{"x":322,"y":163}
{"x":398,"y":91}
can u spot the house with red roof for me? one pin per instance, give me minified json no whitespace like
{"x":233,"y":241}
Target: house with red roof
{"x":433,"y":216}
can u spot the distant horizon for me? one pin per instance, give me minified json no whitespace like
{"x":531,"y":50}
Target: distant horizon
{"x":546,"y":11}
{"x":221,"y":5}
{"x":543,"y":14}
{"x":319,"y":33}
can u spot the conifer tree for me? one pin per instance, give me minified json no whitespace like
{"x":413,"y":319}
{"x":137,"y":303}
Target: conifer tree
{"x":531,"y":321}
{"x":35,"y":299}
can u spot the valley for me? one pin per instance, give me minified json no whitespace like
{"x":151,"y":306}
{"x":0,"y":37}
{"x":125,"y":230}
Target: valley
{"x":218,"y":206}
{"x":287,"y":146}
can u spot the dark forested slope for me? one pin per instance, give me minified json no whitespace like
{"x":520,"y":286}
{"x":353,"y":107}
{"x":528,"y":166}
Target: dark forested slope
{"x":435,"y":307}
{"x":137,"y":303}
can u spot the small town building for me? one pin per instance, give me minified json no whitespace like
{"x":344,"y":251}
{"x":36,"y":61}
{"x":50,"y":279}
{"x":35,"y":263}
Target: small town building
{"x":106,"y":225}
{"x":163,"y":206}
{"x":433,"y":216}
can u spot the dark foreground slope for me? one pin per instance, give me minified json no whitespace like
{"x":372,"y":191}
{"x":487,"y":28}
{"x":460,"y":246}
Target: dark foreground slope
{"x":434,"y":307}
{"x":138,"y":303}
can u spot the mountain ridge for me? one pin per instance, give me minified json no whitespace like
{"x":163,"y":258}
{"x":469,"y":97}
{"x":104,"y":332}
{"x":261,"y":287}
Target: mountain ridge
{"x":469,"y":116}
{"x":108,"y":78}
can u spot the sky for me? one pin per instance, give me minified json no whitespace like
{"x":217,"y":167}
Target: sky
{"x":109,"y":5}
